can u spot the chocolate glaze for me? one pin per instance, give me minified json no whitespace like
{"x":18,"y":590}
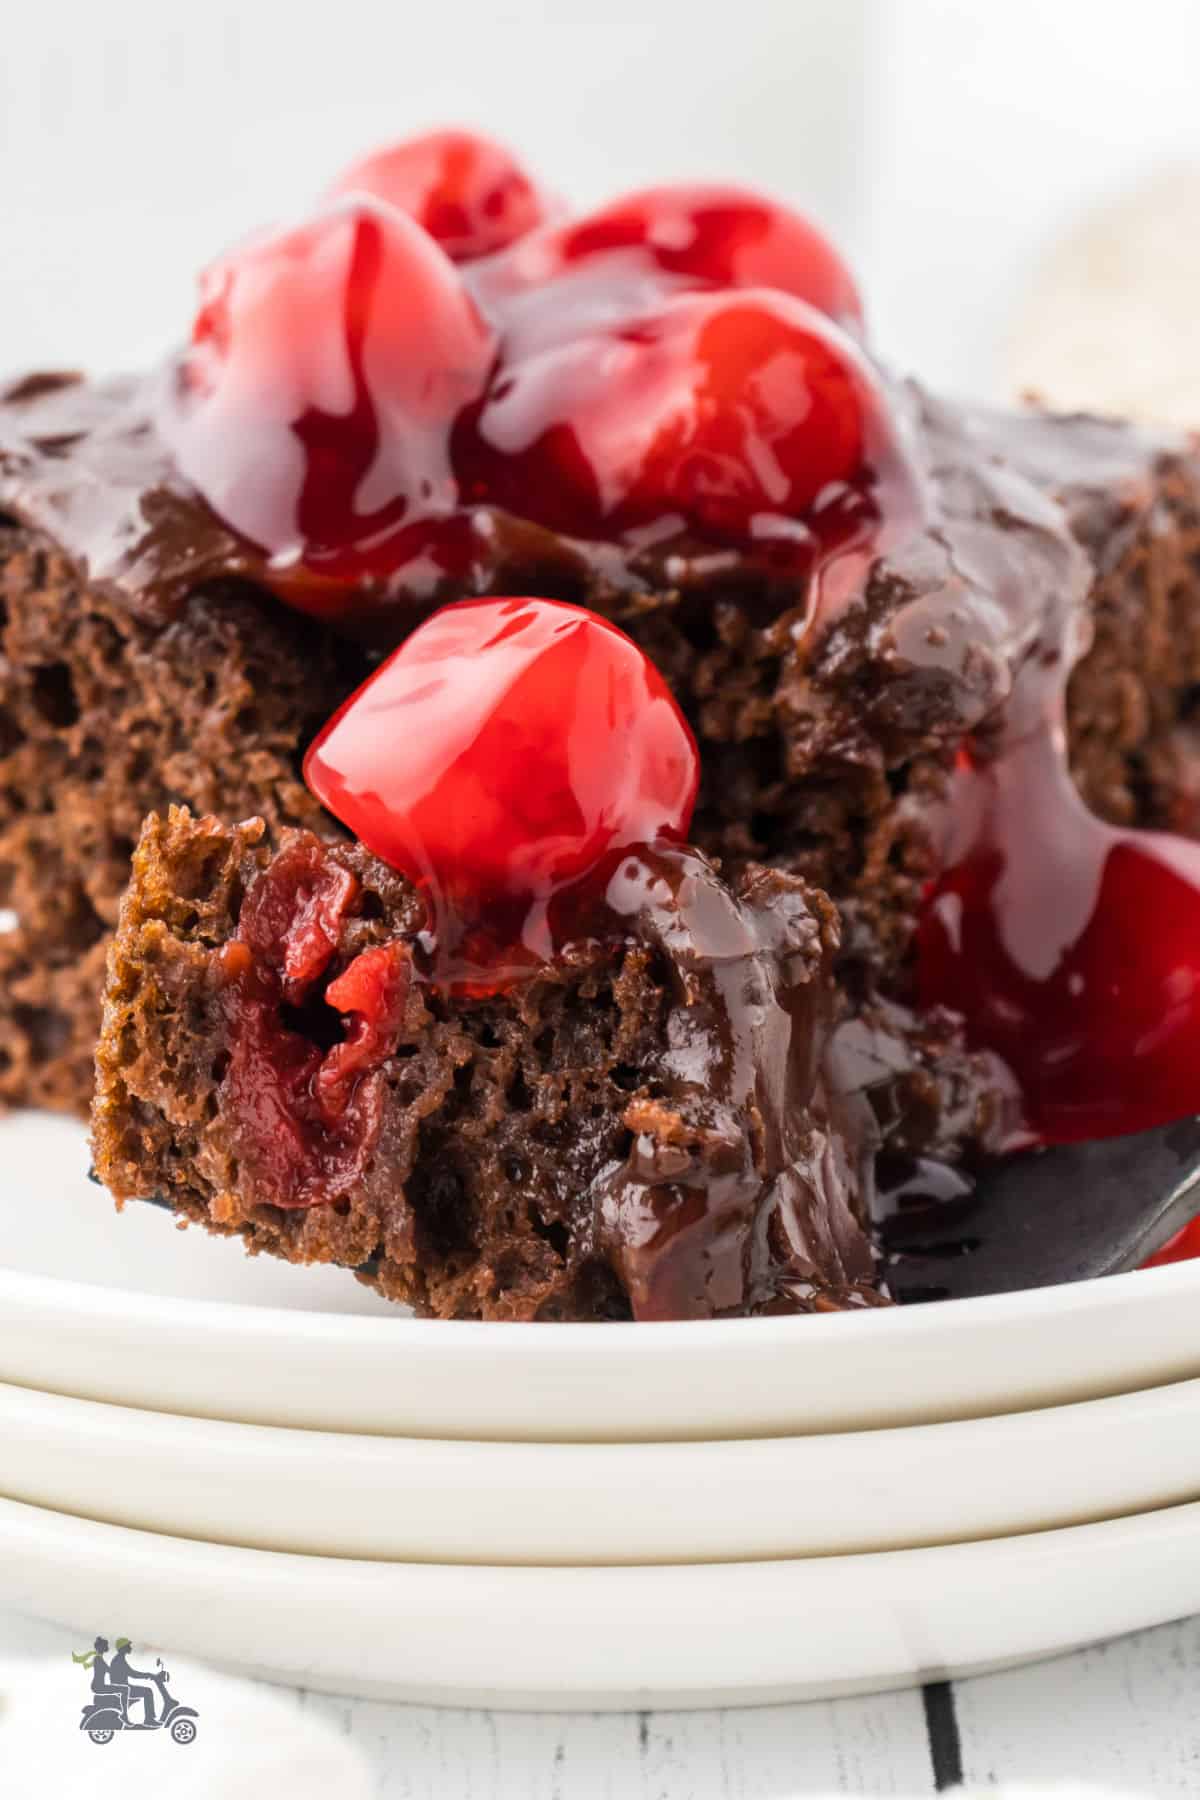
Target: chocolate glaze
{"x":696,"y":1162}
{"x":951,"y":610}
{"x":86,"y":463}
{"x":82,"y":462}
{"x":927,"y":643}
{"x":738,"y":1189}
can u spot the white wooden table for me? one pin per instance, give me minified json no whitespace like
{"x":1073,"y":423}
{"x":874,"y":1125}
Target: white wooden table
{"x":1125,"y":1714}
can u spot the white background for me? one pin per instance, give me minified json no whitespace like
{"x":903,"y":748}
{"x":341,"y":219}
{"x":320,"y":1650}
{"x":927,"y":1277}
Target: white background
{"x":945,"y":141}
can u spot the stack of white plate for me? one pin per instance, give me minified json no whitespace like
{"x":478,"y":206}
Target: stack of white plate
{"x":271,"y":1468}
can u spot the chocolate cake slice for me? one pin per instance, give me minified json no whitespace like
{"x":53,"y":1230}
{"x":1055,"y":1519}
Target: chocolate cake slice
{"x":642,"y":1127}
{"x":542,"y":1022}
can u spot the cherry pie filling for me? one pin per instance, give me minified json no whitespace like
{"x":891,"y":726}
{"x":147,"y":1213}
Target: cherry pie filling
{"x":365,"y":392}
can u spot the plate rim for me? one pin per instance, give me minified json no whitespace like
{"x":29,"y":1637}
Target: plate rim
{"x":928,"y":1484}
{"x":435,"y":1639}
{"x":97,"y":1302}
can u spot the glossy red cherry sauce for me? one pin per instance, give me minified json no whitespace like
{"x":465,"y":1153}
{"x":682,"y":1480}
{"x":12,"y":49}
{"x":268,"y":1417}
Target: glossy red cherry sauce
{"x":731,"y":414}
{"x":1183,"y":1247}
{"x":694,"y":235}
{"x":305,"y":416}
{"x":1072,"y":947}
{"x":468,"y":192}
{"x":306,"y":1120}
{"x":502,"y":758}
{"x":672,"y":370}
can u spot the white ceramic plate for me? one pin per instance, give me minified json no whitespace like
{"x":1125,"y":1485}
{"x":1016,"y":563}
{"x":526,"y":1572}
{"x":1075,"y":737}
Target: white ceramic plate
{"x":426,"y":1499}
{"x":725,"y":1633}
{"x":115,"y":1322}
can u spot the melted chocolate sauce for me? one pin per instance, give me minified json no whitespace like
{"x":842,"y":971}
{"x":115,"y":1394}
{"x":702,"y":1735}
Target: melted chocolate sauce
{"x":738,"y":1186}
{"x":85,"y":462}
{"x":738,"y":1192}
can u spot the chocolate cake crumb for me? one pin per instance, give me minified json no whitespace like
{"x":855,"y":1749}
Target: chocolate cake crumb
{"x":641,"y":1129}
{"x":102,"y":719}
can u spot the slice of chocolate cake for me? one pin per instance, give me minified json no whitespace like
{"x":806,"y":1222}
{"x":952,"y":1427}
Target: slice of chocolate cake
{"x":941,"y":667}
{"x":641,"y":1126}
{"x":116,"y":700}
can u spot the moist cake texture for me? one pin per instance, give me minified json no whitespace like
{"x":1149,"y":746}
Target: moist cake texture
{"x":642,"y":1127}
{"x":487,"y":1200}
{"x":106,"y":714}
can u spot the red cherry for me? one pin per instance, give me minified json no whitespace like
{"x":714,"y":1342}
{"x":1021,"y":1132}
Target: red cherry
{"x":373,"y":992}
{"x":291,"y":923}
{"x":1072,"y":949}
{"x":304,"y":1124}
{"x":465,"y":190}
{"x":725,"y":237}
{"x":723,"y":409}
{"x":1183,"y":1247}
{"x":500,"y":754}
{"x":326,"y":366}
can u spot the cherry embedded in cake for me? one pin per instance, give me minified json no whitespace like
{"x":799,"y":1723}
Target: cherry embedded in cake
{"x":747,"y":794}
{"x":309,"y":1117}
{"x":641,"y":1127}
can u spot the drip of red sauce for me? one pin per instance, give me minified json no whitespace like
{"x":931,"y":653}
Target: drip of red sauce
{"x":503,"y":758}
{"x":1071,"y":947}
{"x":673,"y":366}
{"x":1183,"y":1247}
{"x":304,"y":1122}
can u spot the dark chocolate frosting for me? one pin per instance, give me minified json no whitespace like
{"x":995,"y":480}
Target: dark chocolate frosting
{"x":739,"y":1189}
{"x":744,"y":1183}
{"x":83,"y":462}
{"x":950,"y":610}
{"x":86,"y":463}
